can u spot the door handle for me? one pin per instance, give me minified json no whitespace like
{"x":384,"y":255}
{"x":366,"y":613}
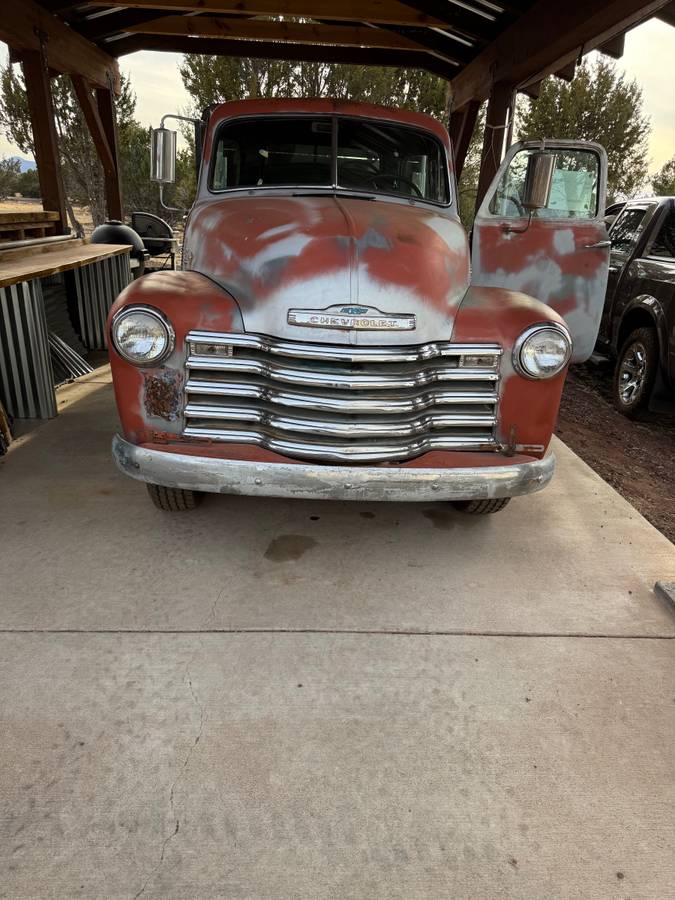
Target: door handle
{"x":600,"y":245}
{"x":613,"y":269}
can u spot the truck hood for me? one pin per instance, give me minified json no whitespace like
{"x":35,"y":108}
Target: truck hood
{"x":281,"y":253}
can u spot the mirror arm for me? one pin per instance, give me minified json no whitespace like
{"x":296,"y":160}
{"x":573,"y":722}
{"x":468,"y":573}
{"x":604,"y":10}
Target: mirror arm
{"x":179,"y":209}
{"x":179,"y":119}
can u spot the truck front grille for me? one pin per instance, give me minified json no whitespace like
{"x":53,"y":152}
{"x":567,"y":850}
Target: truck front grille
{"x":334,"y":403}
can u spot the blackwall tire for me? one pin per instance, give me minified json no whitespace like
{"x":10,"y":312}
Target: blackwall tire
{"x":173,"y":499}
{"x":481,"y":507}
{"x":635,"y":372}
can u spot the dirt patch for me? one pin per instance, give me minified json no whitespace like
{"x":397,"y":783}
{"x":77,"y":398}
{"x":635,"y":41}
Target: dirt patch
{"x":635,"y":457}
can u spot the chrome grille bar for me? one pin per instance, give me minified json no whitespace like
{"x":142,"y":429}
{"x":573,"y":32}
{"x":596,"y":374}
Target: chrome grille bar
{"x":336,"y":352}
{"x":397,"y":377}
{"x":341,"y":403}
{"x":331,"y":452}
{"x":370,"y":402}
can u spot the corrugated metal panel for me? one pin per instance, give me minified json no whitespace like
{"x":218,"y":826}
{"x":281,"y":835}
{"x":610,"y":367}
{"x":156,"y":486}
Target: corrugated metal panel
{"x":97,"y":287}
{"x":26,"y":378}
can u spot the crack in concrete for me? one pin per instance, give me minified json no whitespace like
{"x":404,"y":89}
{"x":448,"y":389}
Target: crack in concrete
{"x":181,"y":772}
{"x":450,"y":632}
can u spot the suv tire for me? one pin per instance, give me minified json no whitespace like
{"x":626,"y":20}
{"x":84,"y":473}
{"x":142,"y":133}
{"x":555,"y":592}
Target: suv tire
{"x":635,"y":372}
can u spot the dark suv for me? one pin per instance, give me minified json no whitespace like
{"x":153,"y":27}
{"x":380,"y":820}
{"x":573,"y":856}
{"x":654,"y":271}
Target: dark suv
{"x":638,"y":322}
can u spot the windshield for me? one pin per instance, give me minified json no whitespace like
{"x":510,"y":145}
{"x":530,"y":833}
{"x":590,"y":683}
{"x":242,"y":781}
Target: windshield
{"x":371,"y":156}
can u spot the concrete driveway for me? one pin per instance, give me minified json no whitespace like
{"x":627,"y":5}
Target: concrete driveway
{"x":277,"y":699}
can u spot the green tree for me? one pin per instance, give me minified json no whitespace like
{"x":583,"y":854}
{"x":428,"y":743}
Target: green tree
{"x":10,"y":170}
{"x":28,"y":183}
{"x":82,"y":172}
{"x":211,"y":80}
{"x":601,"y":105}
{"x":664,"y":180}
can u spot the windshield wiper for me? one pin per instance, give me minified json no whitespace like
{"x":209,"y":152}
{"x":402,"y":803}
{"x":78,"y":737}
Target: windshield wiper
{"x":334,"y":194}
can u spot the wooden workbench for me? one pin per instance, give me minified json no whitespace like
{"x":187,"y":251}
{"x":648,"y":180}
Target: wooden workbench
{"x":98,"y":272}
{"x":41,"y":260}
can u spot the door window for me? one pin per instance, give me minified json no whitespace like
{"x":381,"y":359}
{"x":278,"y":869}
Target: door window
{"x":626,"y":230}
{"x":574,"y":186}
{"x":664,"y":243}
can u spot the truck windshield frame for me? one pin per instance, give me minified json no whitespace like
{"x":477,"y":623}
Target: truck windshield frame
{"x":420,"y":174}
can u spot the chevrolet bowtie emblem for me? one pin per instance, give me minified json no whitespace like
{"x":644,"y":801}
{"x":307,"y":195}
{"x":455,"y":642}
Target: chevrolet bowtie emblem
{"x":358,"y":318}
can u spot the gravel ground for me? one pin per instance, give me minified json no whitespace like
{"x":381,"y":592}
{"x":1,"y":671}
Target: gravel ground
{"x":636,"y":457}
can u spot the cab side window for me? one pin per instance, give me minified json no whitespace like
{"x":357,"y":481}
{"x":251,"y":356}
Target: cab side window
{"x":664,"y":243}
{"x":626,"y":230}
{"x":574,"y":186}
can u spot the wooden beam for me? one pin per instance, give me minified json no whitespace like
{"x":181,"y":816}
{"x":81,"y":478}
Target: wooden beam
{"x":496,"y":123}
{"x":667,"y":14}
{"x":104,"y":138}
{"x":567,"y":72}
{"x":376,"y":11}
{"x":462,"y":124}
{"x":461,"y":21}
{"x":45,"y":142}
{"x":449,"y":12}
{"x":436,"y":41}
{"x":25,"y":26}
{"x":369,"y":56}
{"x":99,"y":27}
{"x":546,"y":38}
{"x":105,"y":101}
{"x":282,"y":32}
{"x":94,"y":123}
{"x":615,"y":47}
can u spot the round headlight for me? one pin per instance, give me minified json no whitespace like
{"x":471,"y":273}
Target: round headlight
{"x":142,"y":336}
{"x":542,"y":351}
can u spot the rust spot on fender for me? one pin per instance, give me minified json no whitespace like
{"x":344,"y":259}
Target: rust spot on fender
{"x":162,"y":394}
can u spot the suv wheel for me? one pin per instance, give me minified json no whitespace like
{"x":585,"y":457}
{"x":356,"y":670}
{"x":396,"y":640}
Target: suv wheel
{"x":172,"y":499}
{"x":635,"y":372}
{"x":481,"y":507}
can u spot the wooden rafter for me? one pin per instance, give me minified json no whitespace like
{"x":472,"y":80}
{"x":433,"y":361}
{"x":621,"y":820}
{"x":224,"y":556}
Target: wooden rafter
{"x":268,"y":50}
{"x":375,"y":11}
{"x":283,"y":32}
{"x":544,"y":40}
{"x":25,"y":26}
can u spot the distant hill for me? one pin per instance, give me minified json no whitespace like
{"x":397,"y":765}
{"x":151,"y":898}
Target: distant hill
{"x":26,"y":164}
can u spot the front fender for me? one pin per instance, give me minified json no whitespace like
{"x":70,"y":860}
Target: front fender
{"x":528,"y":409}
{"x":149,"y":399}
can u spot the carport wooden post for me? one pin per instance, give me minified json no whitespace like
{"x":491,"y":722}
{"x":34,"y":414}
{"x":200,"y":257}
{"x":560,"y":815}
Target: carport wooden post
{"x":41,"y":106}
{"x":100,"y":119}
{"x":462,"y":124}
{"x":499,"y":111}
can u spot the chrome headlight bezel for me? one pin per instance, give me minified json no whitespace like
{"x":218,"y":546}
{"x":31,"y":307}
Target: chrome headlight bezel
{"x":529,"y":333}
{"x":123,"y":314}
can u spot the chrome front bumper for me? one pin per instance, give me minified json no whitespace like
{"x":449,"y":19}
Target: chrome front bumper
{"x":317,"y":482}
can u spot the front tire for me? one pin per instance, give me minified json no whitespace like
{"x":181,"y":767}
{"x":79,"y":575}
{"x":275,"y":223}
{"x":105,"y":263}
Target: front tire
{"x":173,"y":499}
{"x":635,"y":372}
{"x":481,"y":507}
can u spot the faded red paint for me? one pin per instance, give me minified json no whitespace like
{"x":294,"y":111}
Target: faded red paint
{"x":254,"y":256}
{"x":528,"y":409}
{"x":189,"y":301}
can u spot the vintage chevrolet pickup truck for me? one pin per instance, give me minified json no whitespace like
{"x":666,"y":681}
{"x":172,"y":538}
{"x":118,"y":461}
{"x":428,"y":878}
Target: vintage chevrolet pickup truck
{"x":330,"y":335}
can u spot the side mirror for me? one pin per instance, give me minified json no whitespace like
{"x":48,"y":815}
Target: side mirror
{"x":163,"y":156}
{"x":538,"y":180}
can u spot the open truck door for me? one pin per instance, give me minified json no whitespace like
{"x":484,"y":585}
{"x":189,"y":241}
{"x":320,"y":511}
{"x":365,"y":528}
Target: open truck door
{"x":540,"y":230}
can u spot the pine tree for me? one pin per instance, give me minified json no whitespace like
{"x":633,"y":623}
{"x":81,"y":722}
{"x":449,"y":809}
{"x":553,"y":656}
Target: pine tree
{"x":601,"y":105}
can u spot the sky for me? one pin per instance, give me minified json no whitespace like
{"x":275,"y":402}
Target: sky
{"x":648,"y":57}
